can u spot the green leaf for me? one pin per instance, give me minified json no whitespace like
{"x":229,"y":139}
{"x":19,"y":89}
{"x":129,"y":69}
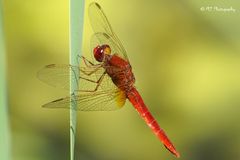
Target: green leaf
{"x":76,"y":34}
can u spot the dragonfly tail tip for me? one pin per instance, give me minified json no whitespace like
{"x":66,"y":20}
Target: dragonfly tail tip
{"x":177,"y":154}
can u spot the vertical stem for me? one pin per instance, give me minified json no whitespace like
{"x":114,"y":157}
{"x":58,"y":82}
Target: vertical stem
{"x":76,"y":34}
{"x":4,"y":130}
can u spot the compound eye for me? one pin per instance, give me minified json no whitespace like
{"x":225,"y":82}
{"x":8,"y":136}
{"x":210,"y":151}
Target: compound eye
{"x":98,"y":53}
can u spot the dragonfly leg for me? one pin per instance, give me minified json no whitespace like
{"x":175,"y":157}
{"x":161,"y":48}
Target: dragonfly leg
{"x":87,"y":62}
{"x":90,"y":73}
{"x":98,"y":82}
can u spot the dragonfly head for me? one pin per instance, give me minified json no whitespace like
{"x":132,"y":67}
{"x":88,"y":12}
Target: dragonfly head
{"x":100,"y":52}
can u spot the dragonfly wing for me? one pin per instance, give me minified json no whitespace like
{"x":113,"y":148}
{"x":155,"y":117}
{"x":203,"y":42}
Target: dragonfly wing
{"x":58,"y":75}
{"x":98,"y":19}
{"x":107,"y":96}
{"x":97,"y":101}
{"x":100,"y":24}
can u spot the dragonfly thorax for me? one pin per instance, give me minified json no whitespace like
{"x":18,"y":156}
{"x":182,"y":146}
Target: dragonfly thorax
{"x":100,"y":52}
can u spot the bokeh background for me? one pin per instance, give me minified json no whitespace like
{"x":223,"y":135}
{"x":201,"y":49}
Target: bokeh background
{"x":186,"y":62}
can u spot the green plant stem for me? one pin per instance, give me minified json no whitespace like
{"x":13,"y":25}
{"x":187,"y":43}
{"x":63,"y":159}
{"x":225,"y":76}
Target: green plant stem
{"x":4,"y":131}
{"x":76,"y":34}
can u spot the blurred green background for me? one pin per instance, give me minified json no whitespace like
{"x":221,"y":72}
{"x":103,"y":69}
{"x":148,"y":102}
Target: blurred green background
{"x":186,"y":62}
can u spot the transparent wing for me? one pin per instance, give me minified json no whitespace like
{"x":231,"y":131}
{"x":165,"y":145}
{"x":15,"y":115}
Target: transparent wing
{"x":98,"y":19}
{"x":96,"y":101}
{"x":58,"y":75}
{"x":106,"y":97}
{"x":100,"y":24}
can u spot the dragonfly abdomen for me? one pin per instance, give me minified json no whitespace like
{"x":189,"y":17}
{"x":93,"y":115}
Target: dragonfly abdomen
{"x":137,"y":101}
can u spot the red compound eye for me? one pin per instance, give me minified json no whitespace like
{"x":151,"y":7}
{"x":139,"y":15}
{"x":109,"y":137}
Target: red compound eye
{"x":98,"y":53}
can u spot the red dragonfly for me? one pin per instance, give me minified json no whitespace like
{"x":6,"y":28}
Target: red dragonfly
{"x":111,"y":77}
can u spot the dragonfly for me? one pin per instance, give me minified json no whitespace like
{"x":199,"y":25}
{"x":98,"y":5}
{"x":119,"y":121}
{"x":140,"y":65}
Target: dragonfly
{"x":105,"y":83}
